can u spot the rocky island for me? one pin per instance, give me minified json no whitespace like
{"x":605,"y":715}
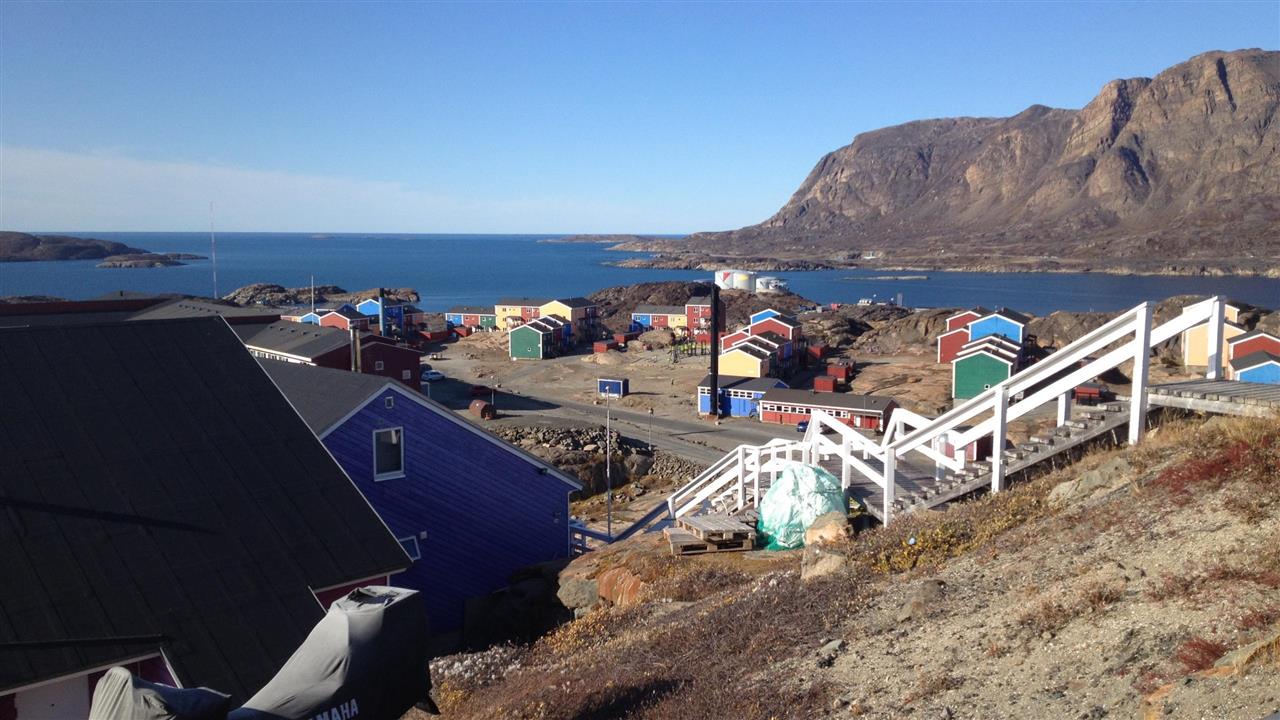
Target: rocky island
{"x":24,"y":247}
{"x":148,"y":260}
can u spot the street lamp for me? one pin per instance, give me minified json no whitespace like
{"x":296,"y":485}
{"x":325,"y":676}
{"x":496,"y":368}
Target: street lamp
{"x":608,"y":466}
{"x":650,"y":430}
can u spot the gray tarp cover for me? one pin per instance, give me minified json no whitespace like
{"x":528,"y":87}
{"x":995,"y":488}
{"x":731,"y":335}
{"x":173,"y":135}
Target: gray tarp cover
{"x":365,"y":660}
{"x":121,"y":696}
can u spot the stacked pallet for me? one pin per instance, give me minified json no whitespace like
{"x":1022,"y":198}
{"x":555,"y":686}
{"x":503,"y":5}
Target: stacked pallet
{"x":694,"y":535}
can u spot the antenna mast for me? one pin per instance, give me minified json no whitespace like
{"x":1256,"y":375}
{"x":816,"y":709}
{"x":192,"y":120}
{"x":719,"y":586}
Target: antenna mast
{"x":213,"y":252}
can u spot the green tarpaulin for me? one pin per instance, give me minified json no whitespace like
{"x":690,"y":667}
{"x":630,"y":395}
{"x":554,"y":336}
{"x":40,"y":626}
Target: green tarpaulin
{"x":799,"y":495}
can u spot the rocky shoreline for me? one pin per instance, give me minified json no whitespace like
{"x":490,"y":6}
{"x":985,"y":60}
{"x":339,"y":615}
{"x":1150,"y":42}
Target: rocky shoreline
{"x":711,"y":263}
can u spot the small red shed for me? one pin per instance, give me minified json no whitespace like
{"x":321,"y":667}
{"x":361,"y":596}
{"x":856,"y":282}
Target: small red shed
{"x":824,"y":383}
{"x":840,"y":371}
{"x":950,"y":344}
{"x":1252,"y":342}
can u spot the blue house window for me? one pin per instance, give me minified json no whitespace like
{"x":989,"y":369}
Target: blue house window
{"x":410,"y":545}
{"x":388,"y":453}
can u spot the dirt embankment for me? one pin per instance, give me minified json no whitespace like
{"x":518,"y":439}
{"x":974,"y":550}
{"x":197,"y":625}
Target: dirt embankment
{"x":1142,"y":582}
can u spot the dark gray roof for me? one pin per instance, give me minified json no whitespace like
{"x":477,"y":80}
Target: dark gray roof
{"x":471,"y":309}
{"x":659,"y":309}
{"x":189,"y":308}
{"x":699,"y":300}
{"x":524,"y":301}
{"x":164,"y":495}
{"x":1256,"y":332}
{"x":843,"y":401}
{"x":576,"y":302}
{"x":323,"y":396}
{"x":1261,"y":357}
{"x":1008,"y":314}
{"x":753,"y":350}
{"x":293,"y":338}
{"x":347,"y":313}
{"x":737,"y":382}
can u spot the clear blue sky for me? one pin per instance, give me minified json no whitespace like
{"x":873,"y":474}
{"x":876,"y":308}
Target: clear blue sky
{"x":537,"y":117}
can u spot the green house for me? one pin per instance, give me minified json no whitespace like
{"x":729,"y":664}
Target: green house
{"x":530,"y":341}
{"x":982,"y":364}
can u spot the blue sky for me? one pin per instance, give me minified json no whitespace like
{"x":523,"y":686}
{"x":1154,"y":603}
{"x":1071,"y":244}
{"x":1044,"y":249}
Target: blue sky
{"x":535,"y":117}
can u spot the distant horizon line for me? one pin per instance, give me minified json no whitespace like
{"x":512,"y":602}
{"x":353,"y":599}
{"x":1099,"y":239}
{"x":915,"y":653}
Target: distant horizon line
{"x":205,"y":231}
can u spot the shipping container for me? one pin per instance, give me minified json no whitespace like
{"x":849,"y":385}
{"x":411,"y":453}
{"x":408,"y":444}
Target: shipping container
{"x":604,"y":345}
{"x":824,"y":383}
{"x":840,"y":371}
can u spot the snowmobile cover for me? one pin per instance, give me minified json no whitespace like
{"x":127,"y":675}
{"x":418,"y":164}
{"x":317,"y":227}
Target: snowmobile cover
{"x":121,"y":696}
{"x":365,"y":660}
{"x":799,"y":495}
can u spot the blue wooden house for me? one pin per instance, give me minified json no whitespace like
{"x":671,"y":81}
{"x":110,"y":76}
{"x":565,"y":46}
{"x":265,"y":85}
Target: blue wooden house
{"x":1003,"y":322}
{"x":469,"y":508}
{"x":762,"y":315}
{"x":739,"y":396}
{"x":1258,"y":367}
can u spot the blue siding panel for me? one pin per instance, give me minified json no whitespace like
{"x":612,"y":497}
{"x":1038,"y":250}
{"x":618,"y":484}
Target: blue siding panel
{"x":642,"y":320}
{"x":1269,"y":374}
{"x":995,"y":325}
{"x":486,"y":511}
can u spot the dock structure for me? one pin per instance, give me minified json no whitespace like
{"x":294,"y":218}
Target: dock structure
{"x":921,"y":462}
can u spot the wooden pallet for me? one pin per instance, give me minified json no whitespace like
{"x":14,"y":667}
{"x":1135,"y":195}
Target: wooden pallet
{"x":683,"y":543}
{"x":716,"y":528}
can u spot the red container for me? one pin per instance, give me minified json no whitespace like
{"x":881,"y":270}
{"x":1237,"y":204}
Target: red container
{"x":824,"y":383}
{"x":604,"y":345}
{"x":840,"y":372}
{"x":817,"y":351}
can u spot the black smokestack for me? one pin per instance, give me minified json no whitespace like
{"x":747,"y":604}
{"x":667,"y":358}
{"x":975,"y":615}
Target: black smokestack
{"x":715,"y":350}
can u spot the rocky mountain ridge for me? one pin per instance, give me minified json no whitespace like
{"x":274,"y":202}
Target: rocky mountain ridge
{"x":24,"y":247}
{"x":1175,"y":173}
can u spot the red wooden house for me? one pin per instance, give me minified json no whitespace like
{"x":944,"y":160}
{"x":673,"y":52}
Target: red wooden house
{"x":382,"y":356}
{"x":784,"y":326}
{"x":1251,"y":342}
{"x":957,"y":333}
{"x":344,"y":319}
{"x":964,"y":317}
{"x":788,"y":407}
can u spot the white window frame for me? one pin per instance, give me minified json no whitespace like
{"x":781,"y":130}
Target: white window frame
{"x":378,"y":365}
{"x":417,"y":549}
{"x":379,"y":477}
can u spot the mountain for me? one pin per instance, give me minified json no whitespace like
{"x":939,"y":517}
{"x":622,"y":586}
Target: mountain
{"x":1165,"y":172}
{"x":21,"y":247}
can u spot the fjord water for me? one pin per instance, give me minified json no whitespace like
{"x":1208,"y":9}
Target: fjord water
{"x":478,"y":269}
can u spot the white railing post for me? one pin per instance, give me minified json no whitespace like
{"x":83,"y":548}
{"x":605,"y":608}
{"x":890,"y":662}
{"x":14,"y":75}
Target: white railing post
{"x":1214,"y":355}
{"x":845,"y":467}
{"x":1141,"y":368}
{"x":1064,"y":408}
{"x":939,"y":470}
{"x":742,"y":468}
{"x":887,"y":508}
{"x":1000,"y":408}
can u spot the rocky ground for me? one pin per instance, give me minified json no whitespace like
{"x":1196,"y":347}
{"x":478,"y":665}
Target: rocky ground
{"x":1140,"y":582}
{"x":148,"y":260}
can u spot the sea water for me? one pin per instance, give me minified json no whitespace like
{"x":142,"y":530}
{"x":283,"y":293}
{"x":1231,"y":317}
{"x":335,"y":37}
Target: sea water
{"x":452,"y":270}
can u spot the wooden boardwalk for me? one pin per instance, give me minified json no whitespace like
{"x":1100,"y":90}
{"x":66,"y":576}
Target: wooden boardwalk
{"x":1226,"y":397}
{"x":911,"y":478}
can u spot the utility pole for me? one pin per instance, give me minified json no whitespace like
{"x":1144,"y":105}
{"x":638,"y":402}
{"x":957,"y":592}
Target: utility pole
{"x":650,"y":430}
{"x":608,"y":466}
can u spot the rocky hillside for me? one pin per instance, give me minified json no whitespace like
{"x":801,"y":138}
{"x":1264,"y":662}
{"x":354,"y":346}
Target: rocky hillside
{"x":280,"y":296}
{"x":22,"y":247}
{"x":617,"y":303}
{"x":1169,"y":173}
{"x":1140,"y":582}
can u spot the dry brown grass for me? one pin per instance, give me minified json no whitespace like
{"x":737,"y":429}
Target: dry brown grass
{"x":931,"y":684}
{"x":1197,"y":653}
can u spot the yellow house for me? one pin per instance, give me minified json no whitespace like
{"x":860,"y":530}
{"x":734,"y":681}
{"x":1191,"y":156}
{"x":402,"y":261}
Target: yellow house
{"x":1195,"y":341}
{"x":581,"y":313}
{"x":509,"y":312}
{"x":744,"y":361}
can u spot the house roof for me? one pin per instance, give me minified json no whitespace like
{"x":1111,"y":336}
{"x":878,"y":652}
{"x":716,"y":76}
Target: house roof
{"x":165,"y":496}
{"x":524,"y":301}
{"x":978,"y":311}
{"x":645,"y":309}
{"x":574,"y":302}
{"x":844,"y":401}
{"x":738,"y":382}
{"x":1255,"y":333}
{"x":72,"y":312}
{"x":772,"y":337}
{"x":471,"y":310}
{"x":1008,"y":314}
{"x":1254,"y":359}
{"x":699,"y":300}
{"x":754,"y":351}
{"x":991,"y":350}
{"x":194,"y":307}
{"x":325,"y":397}
{"x":302,"y":340}
{"x":784,"y":319}
{"x":995,"y":341}
{"x":344,"y":312}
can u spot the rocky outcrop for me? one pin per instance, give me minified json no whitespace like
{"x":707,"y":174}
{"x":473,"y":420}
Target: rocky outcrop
{"x":280,"y":296}
{"x":148,"y":260}
{"x":1179,"y":168}
{"x":22,"y":247}
{"x":617,"y":303}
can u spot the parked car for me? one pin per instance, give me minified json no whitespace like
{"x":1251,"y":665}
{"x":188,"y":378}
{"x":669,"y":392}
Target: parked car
{"x":478,"y":390}
{"x":802,"y":426}
{"x":432,"y":375}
